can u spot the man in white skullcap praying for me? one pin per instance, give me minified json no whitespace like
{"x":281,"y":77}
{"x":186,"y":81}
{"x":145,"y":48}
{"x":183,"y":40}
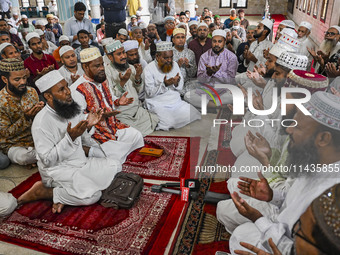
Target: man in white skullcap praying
{"x":304,"y":30}
{"x":71,"y":69}
{"x":163,"y":81}
{"x":123,"y":78}
{"x":70,"y":171}
{"x":92,"y":92}
{"x":132,"y":54}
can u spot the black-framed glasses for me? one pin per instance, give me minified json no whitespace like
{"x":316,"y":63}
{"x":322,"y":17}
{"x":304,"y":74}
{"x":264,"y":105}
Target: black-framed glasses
{"x":296,"y":229}
{"x":330,"y":33}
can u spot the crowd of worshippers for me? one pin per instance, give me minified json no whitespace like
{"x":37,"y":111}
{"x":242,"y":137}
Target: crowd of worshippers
{"x":71,"y":104}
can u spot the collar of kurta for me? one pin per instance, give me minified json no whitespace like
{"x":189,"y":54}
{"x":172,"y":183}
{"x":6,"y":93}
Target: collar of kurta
{"x":36,"y":59}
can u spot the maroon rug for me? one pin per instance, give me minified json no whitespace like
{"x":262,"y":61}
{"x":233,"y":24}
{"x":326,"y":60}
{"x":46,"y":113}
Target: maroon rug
{"x":172,"y":165}
{"x":144,"y":229}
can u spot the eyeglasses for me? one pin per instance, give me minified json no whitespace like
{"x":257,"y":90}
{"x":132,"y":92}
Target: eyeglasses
{"x":295,"y":233}
{"x":330,"y":33}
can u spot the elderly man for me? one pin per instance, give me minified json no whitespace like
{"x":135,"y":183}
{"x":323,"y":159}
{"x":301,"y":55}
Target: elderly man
{"x":284,"y":24}
{"x":18,"y":106}
{"x":49,"y":35}
{"x":60,"y":132}
{"x":169,"y":26}
{"x":92,"y":92}
{"x":38,"y":63}
{"x":202,"y":43}
{"x":25,"y":24}
{"x":71,"y":70}
{"x":304,"y":30}
{"x":237,"y":31}
{"x":313,"y":142}
{"x":329,"y":49}
{"x":144,"y":48}
{"x":185,"y":59}
{"x":63,"y":41}
{"x":270,"y":148}
{"x":217,"y":65}
{"x":132,"y":54}
{"x":163,"y":81}
{"x":228,"y":22}
{"x":15,"y":21}
{"x":123,"y":78}
{"x":7,"y":50}
{"x":78,"y":22}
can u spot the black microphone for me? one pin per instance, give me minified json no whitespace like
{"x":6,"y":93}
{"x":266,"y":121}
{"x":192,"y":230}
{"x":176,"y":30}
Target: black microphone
{"x":160,"y":189}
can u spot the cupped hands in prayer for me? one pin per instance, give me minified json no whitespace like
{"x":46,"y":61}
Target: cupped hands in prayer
{"x":172,"y":81}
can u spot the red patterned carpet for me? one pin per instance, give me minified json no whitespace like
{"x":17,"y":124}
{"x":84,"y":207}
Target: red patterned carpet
{"x":144,"y":229}
{"x":200,"y":232}
{"x":174,"y":162}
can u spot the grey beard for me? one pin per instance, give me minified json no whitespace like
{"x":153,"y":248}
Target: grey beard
{"x":327,"y":46}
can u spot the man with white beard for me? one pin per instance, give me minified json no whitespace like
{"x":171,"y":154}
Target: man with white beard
{"x":314,"y":144}
{"x":329,"y":47}
{"x":304,"y":31}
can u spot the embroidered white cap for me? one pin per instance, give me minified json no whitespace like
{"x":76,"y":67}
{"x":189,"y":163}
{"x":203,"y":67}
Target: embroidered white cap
{"x":65,"y":49}
{"x":48,"y":80}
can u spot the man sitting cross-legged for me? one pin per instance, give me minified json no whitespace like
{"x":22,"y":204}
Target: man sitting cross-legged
{"x":18,"y":106}
{"x":92,"y":92}
{"x":70,"y":173}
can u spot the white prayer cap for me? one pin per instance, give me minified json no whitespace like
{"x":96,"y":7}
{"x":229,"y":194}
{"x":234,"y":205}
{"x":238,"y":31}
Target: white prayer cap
{"x":138,"y":13}
{"x":142,"y":25}
{"x":219,"y":32}
{"x":64,"y":38}
{"x":193,"y":22}
{"x":39,"y":32}
{"x":202,"y":24}
{"x":288,"y":23}
{"x":106,"y":41}
{"x":181,"y":24}
{"x":276,"y":50}
{"x":293,"y":61}
{"x":232,"y":9}
{"x":306,"y":25}
{"x":31,"y":35}
{"x":55,"y":17}
{"x":89,"y":54}
{"x":15,"y":13}
{"x":227,"y":30}
{"x":196,"y":6}
{"x":13,"y":31}
{"x":39,"y":23}
{"x":122,"y":31}
{"x":268,"y":23}
{"x":24,"y":16}
{"x":285,"y":43}
{"x":324,"y":108}
{"x":169,"y":18}
{"x":178,"y":31}
{"x":135,"y":28}
{"x":289,"y":32}
{"x":3,"y":46}
{"x":163,"y":46}
{"x":48,"y":80}
{"x":65,"y":49}
{"x":130,"y":45}
{"x":112,"y":47}
{"x":336,"y":27}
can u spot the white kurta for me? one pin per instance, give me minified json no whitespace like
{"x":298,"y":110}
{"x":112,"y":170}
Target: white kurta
{"x":306,"y":43}
{"x":128,"y":139}
{"x":76,"y":179}
{"x":133,"y":114}
{"x":166,"y":101}
{"x":67,"y":74}
{"x":299,"y":197}
{"x":144,"y":54}
{"x":8,"y":203}
{"x":257,"y":50}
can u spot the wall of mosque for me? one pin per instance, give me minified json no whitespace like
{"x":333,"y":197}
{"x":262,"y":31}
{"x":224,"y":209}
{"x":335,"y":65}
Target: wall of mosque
{"x":253,"y":6}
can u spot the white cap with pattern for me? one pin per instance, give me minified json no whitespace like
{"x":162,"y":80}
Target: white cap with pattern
{"x":48,"y":80}
{"x":293,"y":61}
{"x":163,"y":46}
{"x":65,"y":49}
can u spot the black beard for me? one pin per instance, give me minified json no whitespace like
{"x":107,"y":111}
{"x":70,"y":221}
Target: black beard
{"x":217,"y":51}
{"x":201,"y":37}
{"x":304,"y":155}
{"x":66,"y":110}
{"x":25,"y":25}
{"x":152,"y":35}
{"x":15,"y":91}
{"x":132,"y":62}
{"x":99,"y":79}
{"x":258,"y":35}
{"x":121,"y":67}
{"x":269,"y":73}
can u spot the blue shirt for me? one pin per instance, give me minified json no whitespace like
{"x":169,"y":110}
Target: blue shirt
{"x":5,"y":5}
{"x":116,"y":12}
{"x":72,"y":26}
